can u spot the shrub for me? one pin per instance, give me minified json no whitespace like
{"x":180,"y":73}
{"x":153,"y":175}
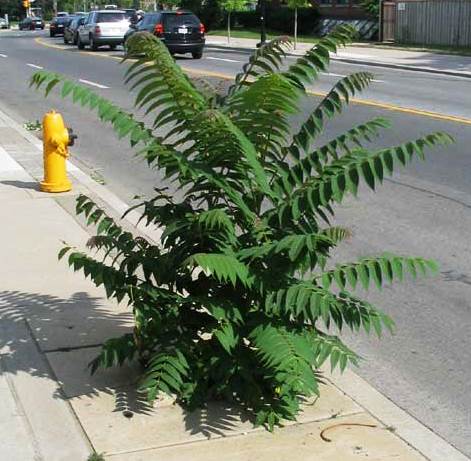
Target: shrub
{"x":237,"y":300}
{"x":209,"y":12}
{"x":280,"y":19}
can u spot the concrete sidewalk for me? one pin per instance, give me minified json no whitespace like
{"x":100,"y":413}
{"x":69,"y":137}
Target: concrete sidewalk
{"x":421,"y":61}
{"x":52,"y":322}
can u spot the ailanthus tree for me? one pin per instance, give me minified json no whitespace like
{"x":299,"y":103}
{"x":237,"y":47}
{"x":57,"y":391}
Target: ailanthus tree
{"x":238,"y":298}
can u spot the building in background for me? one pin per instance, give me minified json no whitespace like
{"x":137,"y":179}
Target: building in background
{"x":341,"y":9}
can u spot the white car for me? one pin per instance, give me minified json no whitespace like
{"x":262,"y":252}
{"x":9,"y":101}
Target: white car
{"x":103,"y":27}
{"x":4,"y":24}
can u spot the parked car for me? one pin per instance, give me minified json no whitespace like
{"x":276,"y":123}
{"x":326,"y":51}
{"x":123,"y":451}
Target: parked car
{"x":31,"y":23}
{"x":129,"y":13}
{"x":180,"y":30}
{"x":58,"y":25}
{"x":71,"y":29}
{"x":103,"y":27}
{"x":4,"y":24}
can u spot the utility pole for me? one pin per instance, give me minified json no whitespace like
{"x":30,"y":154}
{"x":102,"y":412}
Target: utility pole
{"x":263,"y":32}
{"x":54,"y":7}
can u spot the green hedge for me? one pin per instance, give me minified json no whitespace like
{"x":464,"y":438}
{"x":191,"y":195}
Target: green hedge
{"x":280,"y":19}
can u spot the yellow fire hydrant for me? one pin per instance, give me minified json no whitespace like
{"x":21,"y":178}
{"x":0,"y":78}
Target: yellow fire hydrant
{"x":56,"y":140}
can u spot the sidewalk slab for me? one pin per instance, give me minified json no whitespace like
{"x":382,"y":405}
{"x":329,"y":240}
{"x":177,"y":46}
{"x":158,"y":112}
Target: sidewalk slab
{"x":166,"y":424}
{"x":13,"y":426}
{"x":49,"y":429}
{"x":64,"y":309}
{"x":352,"y":438}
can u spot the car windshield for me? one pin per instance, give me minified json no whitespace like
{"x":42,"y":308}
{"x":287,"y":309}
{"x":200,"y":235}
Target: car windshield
{"x":62,"y":20}
{"x":180,"y":19}
{"x":149,"y":19}
{"x":110,"y":17}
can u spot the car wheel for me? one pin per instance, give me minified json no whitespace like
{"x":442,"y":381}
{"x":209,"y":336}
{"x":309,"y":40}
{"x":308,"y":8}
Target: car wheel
{"x":197,"y":54}
{"x":80,"y":45}
{"x":74,"y":40}
{"x":112,"y":47}
{"x":51,"y":34}
{"x":93,"y":45}
{"x":66,"y":42}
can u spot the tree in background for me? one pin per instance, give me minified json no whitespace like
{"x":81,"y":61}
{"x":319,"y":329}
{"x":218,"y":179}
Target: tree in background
{"x":170,"y":4}
{"x":372,"y":6}
{"x":11,"y":7}
{"x":231,"y":6}
{"x":295,"y":4}
{"x":209,"y":11}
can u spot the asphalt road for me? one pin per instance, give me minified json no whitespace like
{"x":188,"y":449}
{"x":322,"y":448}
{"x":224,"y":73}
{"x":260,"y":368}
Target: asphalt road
{"x":425,"y":210}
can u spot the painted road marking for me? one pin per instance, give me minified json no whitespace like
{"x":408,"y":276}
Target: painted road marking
{"x":222,"y":59}
{"x":3,"y":56}
{"x":396,"y":69}
{"x":88,"y":82}
{"x":363,"y":102}
{"x":331,"y":74}
{"x":34,"y":66}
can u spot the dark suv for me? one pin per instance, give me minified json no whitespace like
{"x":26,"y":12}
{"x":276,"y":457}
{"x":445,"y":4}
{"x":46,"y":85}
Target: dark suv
{"x":180,"y":30}
{"x":31,"y":23}
{"x":58,"y":25}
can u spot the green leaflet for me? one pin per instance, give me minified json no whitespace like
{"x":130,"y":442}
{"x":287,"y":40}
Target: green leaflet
{"x":224,"y":267}
{"x":377,"y":270}
{"x":165,"y":373}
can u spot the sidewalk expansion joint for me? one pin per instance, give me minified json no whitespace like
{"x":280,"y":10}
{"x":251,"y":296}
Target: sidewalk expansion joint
{"x":71,"y":348}
{"x":239,"y":434}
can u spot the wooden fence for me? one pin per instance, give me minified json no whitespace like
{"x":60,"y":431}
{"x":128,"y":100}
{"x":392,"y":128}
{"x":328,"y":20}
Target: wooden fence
{"x":433,"y":22}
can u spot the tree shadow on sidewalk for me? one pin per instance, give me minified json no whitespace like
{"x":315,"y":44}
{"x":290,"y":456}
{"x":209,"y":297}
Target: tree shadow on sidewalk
{"x":215,"y":419}
{"x":66,"y":334}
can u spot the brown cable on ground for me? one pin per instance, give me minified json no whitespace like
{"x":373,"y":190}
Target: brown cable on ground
{"x":326,"y":439}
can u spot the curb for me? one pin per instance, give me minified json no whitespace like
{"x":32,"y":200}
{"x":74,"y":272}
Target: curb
{"x":420,"y":437}
{"x":414,"y":433}
{"x":362,"y":62}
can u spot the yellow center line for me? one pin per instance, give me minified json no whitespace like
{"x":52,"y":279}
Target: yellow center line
{"x":362,"y":102}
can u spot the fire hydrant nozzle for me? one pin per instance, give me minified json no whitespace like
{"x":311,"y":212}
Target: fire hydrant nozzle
{"x":56,"y":139}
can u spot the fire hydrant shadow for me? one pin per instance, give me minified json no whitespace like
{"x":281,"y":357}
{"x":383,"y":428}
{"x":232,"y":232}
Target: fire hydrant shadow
{"x":31,"y":185}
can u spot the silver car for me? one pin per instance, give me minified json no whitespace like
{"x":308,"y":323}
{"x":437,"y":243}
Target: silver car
{"x":103,"y":27}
